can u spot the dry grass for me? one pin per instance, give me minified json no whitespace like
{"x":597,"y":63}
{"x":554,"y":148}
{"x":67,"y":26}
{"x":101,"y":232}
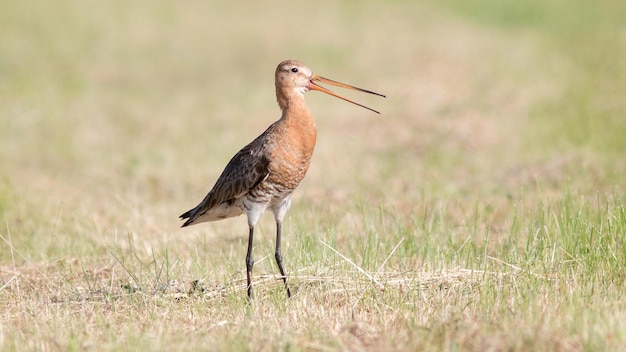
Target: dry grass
{"x":348,"y":310}
{"x":482,"y":211}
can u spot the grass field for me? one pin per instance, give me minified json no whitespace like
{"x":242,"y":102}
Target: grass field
{"x":482,"y":211}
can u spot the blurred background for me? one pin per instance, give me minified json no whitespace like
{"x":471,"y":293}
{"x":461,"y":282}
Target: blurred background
{"x":117,"y":116}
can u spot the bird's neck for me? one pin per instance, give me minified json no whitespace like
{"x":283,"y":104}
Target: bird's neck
{"x":297,"y":118}
{"x":292,"y":104}
{"x":289,"y":98}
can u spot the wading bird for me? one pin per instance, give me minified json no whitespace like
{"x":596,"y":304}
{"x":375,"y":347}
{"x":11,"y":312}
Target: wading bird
{"x":265,"y":172}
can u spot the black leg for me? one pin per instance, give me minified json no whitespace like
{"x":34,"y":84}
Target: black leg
{"x":279,"y":257}
{"x":249,"y":263}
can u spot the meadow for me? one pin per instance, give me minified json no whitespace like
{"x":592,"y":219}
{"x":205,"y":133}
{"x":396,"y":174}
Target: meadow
{"x":483,"y":210}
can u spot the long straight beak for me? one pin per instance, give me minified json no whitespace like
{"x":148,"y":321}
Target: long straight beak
{"x":314,"y":86}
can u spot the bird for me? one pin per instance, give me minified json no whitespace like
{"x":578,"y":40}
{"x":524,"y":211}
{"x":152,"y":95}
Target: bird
{"x":263,"y":174}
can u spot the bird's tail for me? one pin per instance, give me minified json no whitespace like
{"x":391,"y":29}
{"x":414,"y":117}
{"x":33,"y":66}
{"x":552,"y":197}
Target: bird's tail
{"x":189,"y":216}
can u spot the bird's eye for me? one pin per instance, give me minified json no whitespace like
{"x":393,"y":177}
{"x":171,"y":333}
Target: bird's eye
{"x":294,"y":69}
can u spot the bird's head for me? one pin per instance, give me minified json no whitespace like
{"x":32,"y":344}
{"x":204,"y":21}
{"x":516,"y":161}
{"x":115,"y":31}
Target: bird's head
{"x":295,"y":76}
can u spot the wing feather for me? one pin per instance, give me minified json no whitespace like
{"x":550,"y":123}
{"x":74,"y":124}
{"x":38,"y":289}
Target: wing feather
{"x":248,"y":168}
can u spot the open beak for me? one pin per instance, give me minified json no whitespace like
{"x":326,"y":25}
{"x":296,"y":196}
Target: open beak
{"x":314,"y":86}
